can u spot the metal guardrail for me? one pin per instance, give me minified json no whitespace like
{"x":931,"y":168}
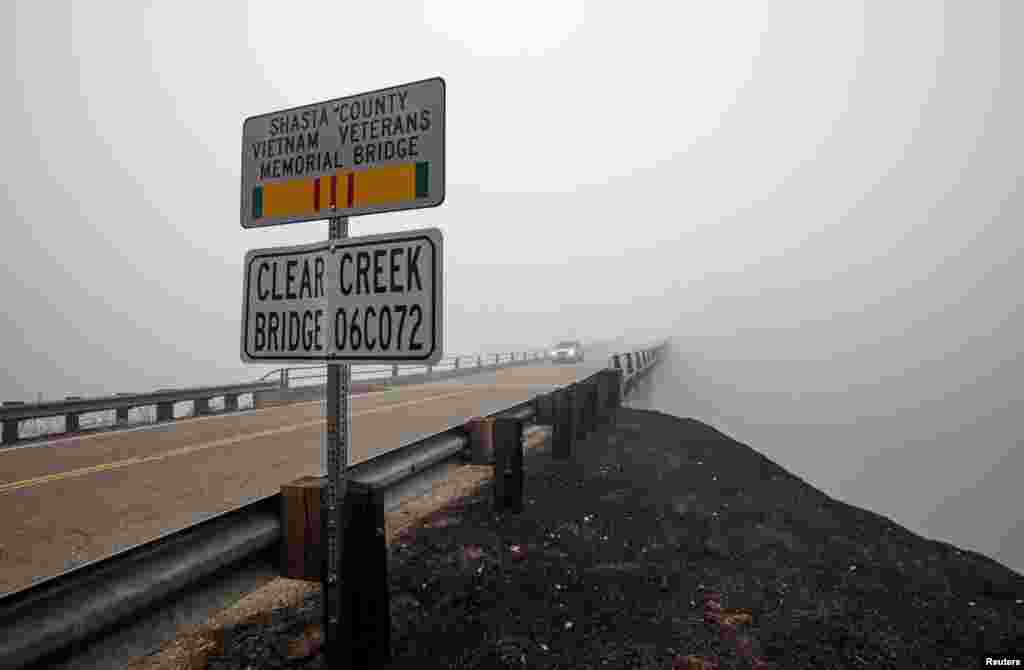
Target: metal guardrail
{"x":72,"y":407}
{"x":12,"y":413}
{"x":61,"y":614}
{"x":635,"y":364}
{"x":298,"y":376}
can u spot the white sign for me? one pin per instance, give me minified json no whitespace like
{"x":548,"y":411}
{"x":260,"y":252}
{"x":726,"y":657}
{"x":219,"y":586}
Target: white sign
{"x":374,"y":152}
{"x":368,"y":299}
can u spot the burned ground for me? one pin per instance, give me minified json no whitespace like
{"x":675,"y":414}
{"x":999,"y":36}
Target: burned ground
{"x":665,"y":544}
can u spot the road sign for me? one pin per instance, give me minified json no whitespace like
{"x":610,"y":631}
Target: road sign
{"x":374,"y":152}
{"x":368,"y":299}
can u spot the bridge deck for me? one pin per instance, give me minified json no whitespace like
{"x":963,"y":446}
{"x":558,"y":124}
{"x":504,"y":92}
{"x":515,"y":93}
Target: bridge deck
{"x":81,"y":498}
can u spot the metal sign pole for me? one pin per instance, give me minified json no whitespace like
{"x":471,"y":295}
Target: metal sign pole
{"x":338,"y":431}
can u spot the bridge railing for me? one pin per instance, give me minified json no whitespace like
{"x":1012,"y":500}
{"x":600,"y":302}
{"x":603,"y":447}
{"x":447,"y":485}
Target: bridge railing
{"x":316,"y":375}
{"x":160,"y":582}
{"x":61,"y":417}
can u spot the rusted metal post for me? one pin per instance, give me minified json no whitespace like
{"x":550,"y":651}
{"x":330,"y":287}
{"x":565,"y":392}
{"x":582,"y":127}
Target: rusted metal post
{"x":362,"y":632}
{"x":508,"y":465}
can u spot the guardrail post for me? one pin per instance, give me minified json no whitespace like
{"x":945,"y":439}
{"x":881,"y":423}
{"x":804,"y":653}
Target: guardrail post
{"x":284,"y":378}
{"x":479,"y":361}
{"x":481,"y":440}
{"x":201,"y":406}
{"x":629,"y":364}
{"x":565,"y":429}
{"x":122,"y":414}
{"x":301,"y":548}
{"x":362,"y":636}
{"x":496,"y":359}
{"x":598,"y":401}
{"x":165,"y":411}
{"x":71,"y":424}
{"x":456,"y":362}
{"x":615,"y":393}
{"x":584,"y":420}
{"x":430,"y":370}
{"x":394,"y":370}
{"x":543,"y":409}
{"x":508,"y":465}
{"x":231,"y":402}
{"x":580,"y":405}
{"x":574,"y":417}
{"x":10,"y":433}
{"x":616,"y":362}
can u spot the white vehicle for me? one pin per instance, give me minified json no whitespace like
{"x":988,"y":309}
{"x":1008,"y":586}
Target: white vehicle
{"x":569,"y":351}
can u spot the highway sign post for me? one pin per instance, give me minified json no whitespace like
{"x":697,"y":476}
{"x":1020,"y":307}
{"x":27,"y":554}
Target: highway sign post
{"x":370,"y":299}
{"x":336,"y":432}
{"x":374,"y":152}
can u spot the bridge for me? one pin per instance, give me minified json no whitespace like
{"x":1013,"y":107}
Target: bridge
{"x":105,"y":525}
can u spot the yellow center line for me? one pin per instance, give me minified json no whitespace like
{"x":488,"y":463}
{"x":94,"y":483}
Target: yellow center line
{"x":223,"y":442}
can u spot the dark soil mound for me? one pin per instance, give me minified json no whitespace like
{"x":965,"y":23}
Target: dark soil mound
{"x":665,"y":544}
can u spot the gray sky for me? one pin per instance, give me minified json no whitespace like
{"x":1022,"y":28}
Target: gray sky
{"x":821,"y":201}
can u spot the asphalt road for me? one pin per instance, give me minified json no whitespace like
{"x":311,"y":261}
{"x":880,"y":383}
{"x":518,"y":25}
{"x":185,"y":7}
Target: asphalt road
{"x":77,"y":499}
